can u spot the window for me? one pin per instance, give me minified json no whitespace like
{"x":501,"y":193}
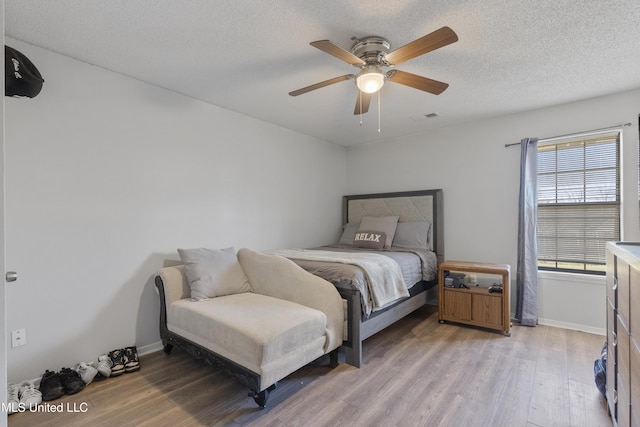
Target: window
{"x":578,"y":203}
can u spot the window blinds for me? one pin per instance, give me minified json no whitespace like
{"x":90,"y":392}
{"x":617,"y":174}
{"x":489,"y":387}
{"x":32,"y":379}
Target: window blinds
{"x":578,"y":203}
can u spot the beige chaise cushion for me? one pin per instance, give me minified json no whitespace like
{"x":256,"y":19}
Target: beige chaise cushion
{"x":270,"y":336}
{"x":280,"y":277}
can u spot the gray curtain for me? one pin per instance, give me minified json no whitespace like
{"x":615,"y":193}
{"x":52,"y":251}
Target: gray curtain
{"x":527,"y":272}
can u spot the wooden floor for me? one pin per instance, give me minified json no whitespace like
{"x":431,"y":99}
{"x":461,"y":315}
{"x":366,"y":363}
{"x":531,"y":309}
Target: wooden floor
{"x":415,"y":373}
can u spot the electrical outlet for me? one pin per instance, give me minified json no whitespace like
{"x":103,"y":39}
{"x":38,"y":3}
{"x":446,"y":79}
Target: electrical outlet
{"x":18,"y":337}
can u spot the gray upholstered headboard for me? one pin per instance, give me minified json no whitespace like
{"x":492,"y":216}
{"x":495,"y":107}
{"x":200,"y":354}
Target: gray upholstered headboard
{"x":422,"y":205}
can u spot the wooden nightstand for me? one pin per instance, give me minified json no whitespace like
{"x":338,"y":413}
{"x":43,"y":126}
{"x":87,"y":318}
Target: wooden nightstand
{"x":475,"y":305}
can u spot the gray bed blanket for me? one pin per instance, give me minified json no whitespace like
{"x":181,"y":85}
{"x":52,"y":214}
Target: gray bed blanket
{"x":384,"y":278}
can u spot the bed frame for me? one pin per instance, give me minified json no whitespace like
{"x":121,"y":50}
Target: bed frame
{"x":409,"y":206}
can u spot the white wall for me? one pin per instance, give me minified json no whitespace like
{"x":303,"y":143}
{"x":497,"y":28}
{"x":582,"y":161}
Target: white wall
{"x":480,"y":179}
{"x":106,"y":176}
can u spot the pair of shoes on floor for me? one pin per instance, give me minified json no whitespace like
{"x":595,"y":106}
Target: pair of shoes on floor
{"x":132,"y":362}
{"x":30,"y":396}
{"x":123,"y":360}
{"x":86,"y":371}
{"x":23,"y":396}
{"x":104,"y":365}
{"x":56,"y":384}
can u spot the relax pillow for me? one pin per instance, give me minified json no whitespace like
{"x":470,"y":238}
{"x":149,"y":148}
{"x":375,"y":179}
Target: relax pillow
{"x":384,"y":224}
{"x":213,"y":272}
{"x":369,"y":239}
{"x":412,"y":235}
{"x":349,"y":232}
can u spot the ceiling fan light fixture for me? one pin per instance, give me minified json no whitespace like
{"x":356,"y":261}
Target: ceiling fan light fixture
{"x":370,"y":80}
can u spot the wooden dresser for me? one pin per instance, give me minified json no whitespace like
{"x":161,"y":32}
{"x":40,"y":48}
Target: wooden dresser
{"x":623,"y":332}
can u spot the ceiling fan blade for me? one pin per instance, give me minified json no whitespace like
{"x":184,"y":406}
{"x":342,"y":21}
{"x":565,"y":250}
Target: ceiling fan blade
{"x":321,"y":84}
{"x":366,"y":100}
{"x":424,"y":44}
{"x":417,"y":82}
{"x":337,"y":51}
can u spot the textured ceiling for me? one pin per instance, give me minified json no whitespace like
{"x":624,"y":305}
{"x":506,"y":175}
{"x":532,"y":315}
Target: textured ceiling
{"x":246,"y":55}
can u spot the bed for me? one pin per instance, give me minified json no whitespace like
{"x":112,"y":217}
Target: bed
{"x":366,"y":313}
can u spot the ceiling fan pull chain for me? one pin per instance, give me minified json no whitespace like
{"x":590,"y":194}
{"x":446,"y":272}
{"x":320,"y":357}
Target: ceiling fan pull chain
{"x":378,"y":111}
{"x":360,"y":95}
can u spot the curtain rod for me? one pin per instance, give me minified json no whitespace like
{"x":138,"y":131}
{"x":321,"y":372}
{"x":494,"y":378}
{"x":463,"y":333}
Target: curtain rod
{"x":575,"y":134}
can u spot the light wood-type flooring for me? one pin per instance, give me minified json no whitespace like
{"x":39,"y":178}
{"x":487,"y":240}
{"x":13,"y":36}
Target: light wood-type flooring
{"x":417,"y":372}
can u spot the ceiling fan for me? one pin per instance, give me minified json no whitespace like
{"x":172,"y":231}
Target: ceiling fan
{"x":371,"y":54}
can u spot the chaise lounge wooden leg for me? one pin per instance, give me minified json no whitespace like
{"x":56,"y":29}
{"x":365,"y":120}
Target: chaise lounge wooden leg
{"x":167,"y":349}
{"x":333,"y":358}
{"x":262,"y":397}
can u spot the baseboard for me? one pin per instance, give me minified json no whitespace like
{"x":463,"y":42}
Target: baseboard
{"x":573,"y":326}
{"x":150,"y":348}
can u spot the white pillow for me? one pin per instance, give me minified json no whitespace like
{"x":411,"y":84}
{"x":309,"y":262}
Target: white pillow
{"x":213,"y":272}
{"x":385,"y":224}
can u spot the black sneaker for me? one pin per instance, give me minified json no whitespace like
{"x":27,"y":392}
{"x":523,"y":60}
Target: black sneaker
{"x":51,"y":386}
{"x":132,"y":363}
{"x":71,"y":381}
{"x":117,"y":360}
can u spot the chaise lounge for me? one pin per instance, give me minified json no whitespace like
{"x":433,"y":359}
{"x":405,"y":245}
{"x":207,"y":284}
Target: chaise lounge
{"x":259,"y":317}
